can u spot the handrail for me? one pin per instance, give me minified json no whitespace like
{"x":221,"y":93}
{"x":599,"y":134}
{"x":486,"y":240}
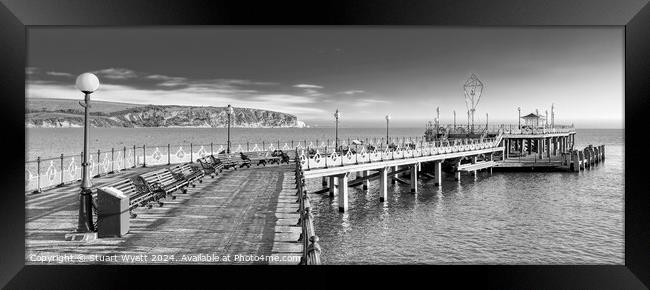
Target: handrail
{"x":313,"y":159}
{"x":311,"y":248}
{"x":445,"y":129}
{"x":45,"y":173}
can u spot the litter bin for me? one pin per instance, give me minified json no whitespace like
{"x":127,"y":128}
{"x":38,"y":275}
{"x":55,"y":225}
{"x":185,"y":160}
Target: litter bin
{"x":113,"y":213}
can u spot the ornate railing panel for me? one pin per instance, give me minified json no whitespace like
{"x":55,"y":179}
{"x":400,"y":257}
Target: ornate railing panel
{"x":320,"y":160}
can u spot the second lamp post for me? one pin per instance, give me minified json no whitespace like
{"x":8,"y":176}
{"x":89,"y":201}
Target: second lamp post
{"x":229,"y":111}
{"x":337,"y":114}
{"x":387,"y":121}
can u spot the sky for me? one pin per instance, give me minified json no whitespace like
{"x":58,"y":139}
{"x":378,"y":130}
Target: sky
{"x":365,"y":72}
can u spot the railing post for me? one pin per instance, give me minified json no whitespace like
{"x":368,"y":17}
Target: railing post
{"x":135,"y":158}
{"x":124,"y":158}
{"x":248,"y":146}
{"x":38,"y":174}
{"x":169,"y":154}
{"x":212,"y":151}
{"x":263,"y":146}
{"x":278,"y":144}
{"x":191,"y":152}
{"x":61,"y":169}
{"x":291,"y":145}
{"x":112,"y":160}
{"x":144,"y":155}
{"x":98,"y":160}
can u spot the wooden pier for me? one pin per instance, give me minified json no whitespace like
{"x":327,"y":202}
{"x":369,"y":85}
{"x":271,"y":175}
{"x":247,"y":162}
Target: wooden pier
{"x":337,"y":170}
{"x":547,"y":151}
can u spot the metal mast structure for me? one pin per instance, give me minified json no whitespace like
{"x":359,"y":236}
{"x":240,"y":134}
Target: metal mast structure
{"x":473,"y":89}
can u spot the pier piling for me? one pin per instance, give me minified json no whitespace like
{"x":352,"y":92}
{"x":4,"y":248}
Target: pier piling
{"x":383,"y":184}
{"x":414,"y":178}
{"x":333,"y":186}
{"x":366,"y":183}
{"x":438,"y":173}
{"x":343,"y":192}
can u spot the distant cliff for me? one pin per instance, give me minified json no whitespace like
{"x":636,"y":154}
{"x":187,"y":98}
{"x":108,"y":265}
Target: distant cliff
{"x":50,"y":113}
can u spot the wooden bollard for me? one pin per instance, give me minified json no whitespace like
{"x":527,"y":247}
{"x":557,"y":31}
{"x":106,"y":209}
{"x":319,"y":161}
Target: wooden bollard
{"x":581,"y":157}
{"x":603,"y":151}
{"x":575,"y":157}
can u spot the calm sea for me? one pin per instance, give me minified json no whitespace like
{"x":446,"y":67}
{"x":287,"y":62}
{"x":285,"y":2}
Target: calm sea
{"x":506,"y":218}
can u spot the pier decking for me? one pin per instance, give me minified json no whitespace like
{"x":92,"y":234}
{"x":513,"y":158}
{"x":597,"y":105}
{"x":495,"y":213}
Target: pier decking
{"x":243,"y":212}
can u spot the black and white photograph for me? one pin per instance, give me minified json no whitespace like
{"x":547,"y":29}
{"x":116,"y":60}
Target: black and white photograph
{"x":325,"y":145}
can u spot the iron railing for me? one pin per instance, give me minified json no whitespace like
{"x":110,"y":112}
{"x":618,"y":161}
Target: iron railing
{"x":45,"y":173}
{"x":450,"y":129}
{"x":311,"y":248}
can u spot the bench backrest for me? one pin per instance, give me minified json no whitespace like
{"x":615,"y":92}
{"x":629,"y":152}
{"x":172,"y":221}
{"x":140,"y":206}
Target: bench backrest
{"x":150,"y":177}
{"x":165,"y":177}
{"x":126,"y":186}
{"x":205,"y":162}
{"x":184,"y":169}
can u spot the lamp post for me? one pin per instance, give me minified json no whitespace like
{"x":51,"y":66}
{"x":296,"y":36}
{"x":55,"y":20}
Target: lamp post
{"x":387,"y":120}
{"x":437,"y":121}
{"x":86,"y":83}
{"x":454,"y":121}
{"x":546,"y":119}
{"x":519,"y":109}
{"x":229,"y":110}
{"x":486,"y":121}
{"x":337,"y":114}
{"x":552,"y":115}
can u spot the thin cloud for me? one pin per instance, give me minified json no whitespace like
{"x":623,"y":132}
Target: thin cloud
{"x":116,"y":73}
{"x":369,"y":102}
{"x":307,"y":86}
{"x":353,"y":92}
{"x":281,"y":98}
{"x":59,"y":74}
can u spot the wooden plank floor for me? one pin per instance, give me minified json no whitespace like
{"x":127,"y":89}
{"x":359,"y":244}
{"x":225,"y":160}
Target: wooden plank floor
{"x":235,"y":214}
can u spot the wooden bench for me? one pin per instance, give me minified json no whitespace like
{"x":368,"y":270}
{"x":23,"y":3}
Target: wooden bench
{"x":226,"y":163}
{"x":139,"y":194}
{"x":163,"y":181}
{"x":187,"y":172}
{"x":209,"y":166}
{"x":262,"y":158}
{"x":283,"y":156}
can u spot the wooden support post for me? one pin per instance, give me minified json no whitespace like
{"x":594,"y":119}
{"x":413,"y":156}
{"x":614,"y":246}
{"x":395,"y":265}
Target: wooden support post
{"x":474,"y":159}
{"x":491,"y":159}
{"x":547,"y":147}
{"x":458,"y":171}
{"x":366,"y":183}
{"x":581,"y":157}
{"x":602,"y":151}
{"x":438,"y":173}
{"x":575,"y":159}
{"x":414,"y":178}
{"x":333,"y":184}
{"x":343,"y":192}
{"x":383,"y":184}
{"x":392,"y":180}
{"x":324,"y":182}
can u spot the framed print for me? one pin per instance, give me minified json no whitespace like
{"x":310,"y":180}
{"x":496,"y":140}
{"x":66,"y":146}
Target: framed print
{"x":497,"y":141}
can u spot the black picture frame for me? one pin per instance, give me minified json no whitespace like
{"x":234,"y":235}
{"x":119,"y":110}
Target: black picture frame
{"x":16,"y":16}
